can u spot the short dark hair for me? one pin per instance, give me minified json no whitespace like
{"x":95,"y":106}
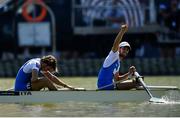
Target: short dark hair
{"x":49,"y":60}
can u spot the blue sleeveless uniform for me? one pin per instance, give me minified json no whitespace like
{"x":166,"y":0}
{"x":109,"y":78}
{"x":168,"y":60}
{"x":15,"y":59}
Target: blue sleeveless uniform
{"x":24,"y":75}
{"x":110,"y":66}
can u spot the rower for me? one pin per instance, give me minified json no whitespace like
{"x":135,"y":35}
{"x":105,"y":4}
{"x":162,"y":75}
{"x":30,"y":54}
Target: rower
{"x":109,"y":73}
{"x":27,"y":76}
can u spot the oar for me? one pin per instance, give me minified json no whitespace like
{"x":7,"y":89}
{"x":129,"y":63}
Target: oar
{"x":75,"y":89}
{"x":152,"y":99}
{"x":114,"y":83}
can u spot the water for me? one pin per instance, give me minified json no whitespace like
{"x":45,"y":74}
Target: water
{"x":84,"y":109}
{"x":171,"y":108}
{"x":93,"y":109}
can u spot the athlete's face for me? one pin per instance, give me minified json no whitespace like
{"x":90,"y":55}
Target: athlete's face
{"x":123,"y":51}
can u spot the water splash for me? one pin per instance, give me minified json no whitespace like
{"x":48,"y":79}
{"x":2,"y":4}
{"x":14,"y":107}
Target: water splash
{"x":157,"y":100}
{"x":172,"y":97}
{"x":168,"y":100}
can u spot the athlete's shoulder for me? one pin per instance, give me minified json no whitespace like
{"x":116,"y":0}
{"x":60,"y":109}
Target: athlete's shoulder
{"x":113,"y":54}
{"x":36,"y":59}
{"x":35,"y":62}
{"x":111,"y":58}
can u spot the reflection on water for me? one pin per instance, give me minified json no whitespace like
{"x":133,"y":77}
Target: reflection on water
{"x":72,"y":109}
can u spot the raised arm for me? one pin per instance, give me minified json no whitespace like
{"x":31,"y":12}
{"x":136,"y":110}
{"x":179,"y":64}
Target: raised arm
{"x":118,"y":39}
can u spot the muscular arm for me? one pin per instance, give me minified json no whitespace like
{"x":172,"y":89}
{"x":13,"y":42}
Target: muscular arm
{"x":55,"y":79}
{"x":118,"y":39}
{"x":118,"y":77}
{"x":34,"y":75}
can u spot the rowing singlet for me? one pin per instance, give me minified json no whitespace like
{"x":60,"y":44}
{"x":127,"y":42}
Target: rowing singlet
{"x":110,"y":66}
{"x":24,"y":75}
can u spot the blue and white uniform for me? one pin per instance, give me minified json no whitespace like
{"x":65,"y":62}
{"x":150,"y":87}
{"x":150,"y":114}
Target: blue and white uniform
{"x":24,"y":75}
{"x":111,"y":66}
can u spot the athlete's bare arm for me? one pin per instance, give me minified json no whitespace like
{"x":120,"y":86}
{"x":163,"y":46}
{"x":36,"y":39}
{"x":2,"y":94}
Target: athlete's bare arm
{"x":34,"y":75}
{"x":118,"y":77}
{"x":55,"y":79}
{"x":118,"y":39}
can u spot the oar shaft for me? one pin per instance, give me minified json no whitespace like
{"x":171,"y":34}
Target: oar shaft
{"x":114,"y":83}
{"x":143,"y":84}
{"x":145,"y":87}
{"x":152,"y":99}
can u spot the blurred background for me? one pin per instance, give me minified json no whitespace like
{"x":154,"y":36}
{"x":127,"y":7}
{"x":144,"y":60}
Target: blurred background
{"x":80,"y":33}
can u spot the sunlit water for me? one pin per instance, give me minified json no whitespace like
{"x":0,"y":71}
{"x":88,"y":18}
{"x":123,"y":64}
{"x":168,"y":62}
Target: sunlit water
{"x":171,"y":108}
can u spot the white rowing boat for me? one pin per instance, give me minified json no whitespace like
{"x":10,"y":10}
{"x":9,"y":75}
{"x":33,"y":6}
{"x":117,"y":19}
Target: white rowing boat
{"x":83,"y":95}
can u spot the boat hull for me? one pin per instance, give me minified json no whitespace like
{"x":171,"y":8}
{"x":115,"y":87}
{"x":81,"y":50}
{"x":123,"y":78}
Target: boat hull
{"x":80,"y":96}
